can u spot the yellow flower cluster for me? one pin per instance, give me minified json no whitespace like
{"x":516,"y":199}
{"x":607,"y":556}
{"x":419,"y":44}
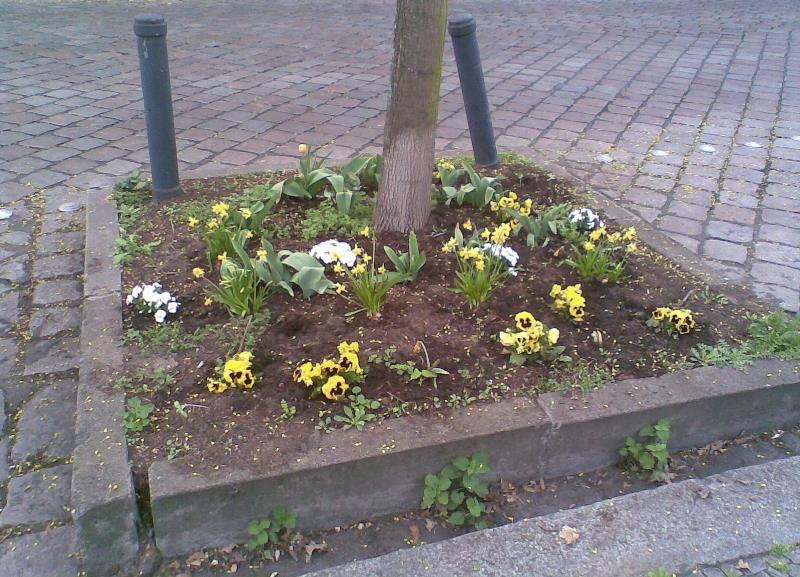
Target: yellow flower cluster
{"x":474,"y":254}
{"x":221,"y":210}
{"x":530,"y":337}
{"x":601,"y":234}
{"x":331,"y":378}
{"x":682,"y":320}
{"x":236,"y":372}
{"x":569,"y":301}
{"x":498,"y":235}
{"x":510,"y":200}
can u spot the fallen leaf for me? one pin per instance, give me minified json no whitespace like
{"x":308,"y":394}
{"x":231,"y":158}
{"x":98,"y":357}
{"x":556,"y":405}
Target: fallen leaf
{"x":234,"y":568}
{"x":742,"y":564}
{"x":313,"y":547}
{"x":414,"y":534}
{"x":195,"y":559}
{"x":568,"y":534}
{"x":430,"y":525}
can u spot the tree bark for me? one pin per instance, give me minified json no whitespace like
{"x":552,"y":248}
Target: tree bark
{"x":404,"y":199}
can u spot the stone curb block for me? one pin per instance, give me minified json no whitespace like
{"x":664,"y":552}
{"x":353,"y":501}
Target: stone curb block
{"x":103,"y":498}
{"x":672,"y":527}
{"x":381,"y":472}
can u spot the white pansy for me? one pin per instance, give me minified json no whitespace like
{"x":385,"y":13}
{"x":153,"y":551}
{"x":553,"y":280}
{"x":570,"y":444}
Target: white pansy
{"x":508,"y":254}
{"x":585,"y":219}
{"x":150,"y":299}
{"x":332,"y":251}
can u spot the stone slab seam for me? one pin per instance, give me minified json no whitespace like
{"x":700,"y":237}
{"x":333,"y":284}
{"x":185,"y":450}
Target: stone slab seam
{"x":103,"y":497}
{"x":675,"y":527}
{"x":550,"y":436}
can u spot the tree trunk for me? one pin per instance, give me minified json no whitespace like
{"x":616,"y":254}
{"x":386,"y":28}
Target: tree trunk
{"x":404,"y":200}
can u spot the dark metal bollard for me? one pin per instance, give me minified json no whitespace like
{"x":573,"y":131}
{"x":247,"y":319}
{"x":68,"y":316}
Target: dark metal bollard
{"x":151,"y":41}
{"x":468,"y":60}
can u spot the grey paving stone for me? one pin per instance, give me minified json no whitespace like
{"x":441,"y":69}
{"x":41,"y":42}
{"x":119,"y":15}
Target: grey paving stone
{"x":4,"y":466}
{"x":2,"y":412}
{"x":60,"y":242}
{"x":8,"y":360}
{"x":9,"y":310}
{"x":16,"y":270}
{"x":725,"y":251}
{"x":50,"y":355}
{"x":50,"y":553}
{"x":50,"y":321}
{"x":785,"y":297}
{"x":38,"y":497}
{"x":54,"y":266}
{"x":57,"y":291}
{"x":46,"y":427}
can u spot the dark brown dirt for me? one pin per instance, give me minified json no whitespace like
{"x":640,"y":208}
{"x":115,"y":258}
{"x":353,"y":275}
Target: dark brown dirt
{"x":235,"y":428}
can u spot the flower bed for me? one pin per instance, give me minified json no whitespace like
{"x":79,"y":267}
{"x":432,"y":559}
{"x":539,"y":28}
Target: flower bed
{"x":525,"y":295}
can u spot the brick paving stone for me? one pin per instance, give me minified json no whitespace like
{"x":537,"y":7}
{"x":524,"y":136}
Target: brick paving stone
{"x":725,"y":251}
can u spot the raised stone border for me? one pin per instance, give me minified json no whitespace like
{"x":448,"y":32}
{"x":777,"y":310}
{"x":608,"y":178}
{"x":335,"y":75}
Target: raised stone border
{"x":103,"y":498}
{"x":672,"y":527}
{"x":381,"y":471}
{"x":350,"y":476}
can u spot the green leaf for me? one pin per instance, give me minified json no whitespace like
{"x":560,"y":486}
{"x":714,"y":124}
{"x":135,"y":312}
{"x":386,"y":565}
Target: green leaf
{"x":444,"y":484}
{"x":474,"y":507}
{"x":431,"y":480}
{"x":461,"y":463}
{"x":456,"y":518}
{"x":443,"y":498}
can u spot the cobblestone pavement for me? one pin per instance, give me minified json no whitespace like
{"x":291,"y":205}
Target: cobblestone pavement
{"x":780,"y":562}
{"x":688,"y":112}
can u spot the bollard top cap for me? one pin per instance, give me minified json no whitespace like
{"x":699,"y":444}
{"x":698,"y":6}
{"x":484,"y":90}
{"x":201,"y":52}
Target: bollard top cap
{"x":150,"y":25}
{"x":461,"y":24}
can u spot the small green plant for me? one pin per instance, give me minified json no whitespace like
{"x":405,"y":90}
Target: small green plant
{"x":176,"y":447}
{"x":268,"y":535}
{"x":781,"y":550}
{"x":580,"y":375}
{"x":132,"y":196}
{"x":447,"y":173}
{"x":543,"y":225}
{"x":651,"y":454}
{"x":776,"y":334}
{"x":180,"y":408}
{"x":155,"y":380}
{"x":479,"y":271}
{"x":363,"y":170}
{"x":127,"y":247}
{"x":660,"y":573}
{"x":781,"y":566}
{"x":602,"y":258}
{"x":312,"y":177}
{"x":287,"y":411}
{"x":407,"y":264}
{"x":358,"y":412}
{"x":408,"y":370}
{"x":479,"y":192}
{"x":137,"y":415}
{"x":368,"y":285}
{"x":458,"y":493}
{"x":326,"y":220}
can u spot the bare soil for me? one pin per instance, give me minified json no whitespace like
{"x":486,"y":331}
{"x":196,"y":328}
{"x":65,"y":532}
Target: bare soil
{"x":237,"y":428}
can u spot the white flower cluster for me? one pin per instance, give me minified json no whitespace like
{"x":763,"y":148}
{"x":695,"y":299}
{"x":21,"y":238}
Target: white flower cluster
{"x":150,"y":299}
{"x":333,"y":251}
{"x":508,"y":254}
{"x":585,"y":219}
